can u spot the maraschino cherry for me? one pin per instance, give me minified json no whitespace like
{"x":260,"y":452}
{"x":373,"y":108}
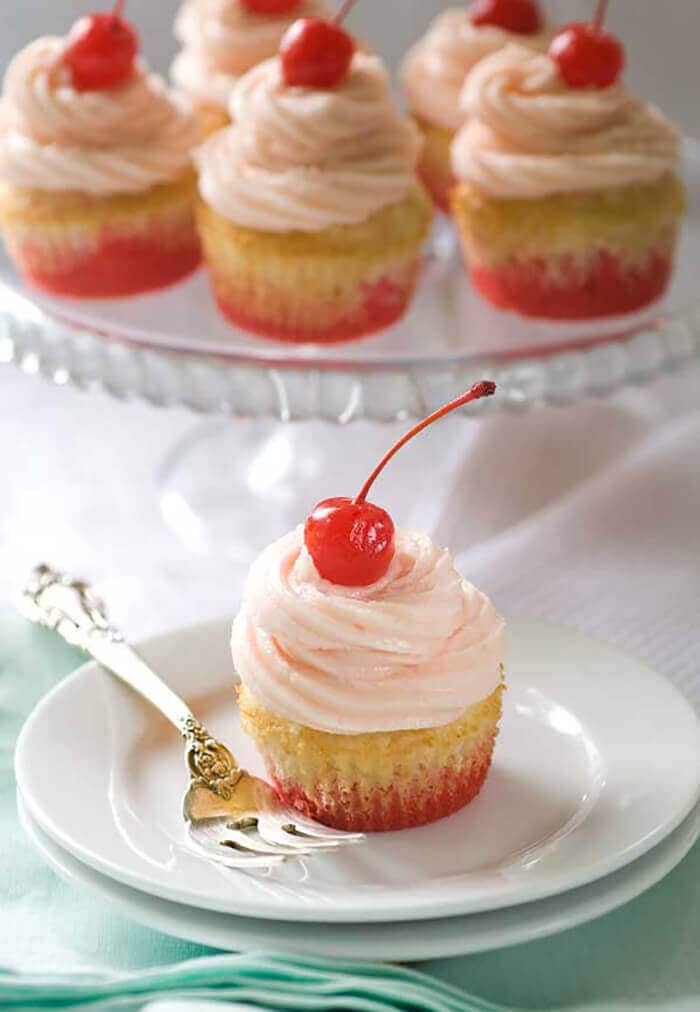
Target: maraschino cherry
{"x":587,"y":55}
{"x":101,"y":50}
{"x":520,"y":16}
{"x":316,"y":53}
{"x":351,"y":541}
{"x":271,"y":8}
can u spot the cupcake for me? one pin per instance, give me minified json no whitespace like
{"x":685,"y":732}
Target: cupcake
{"x":371,"y":671}
{"x":97,"y":188}
{"x":567,"y":201}
{"x":224,"y":39}
{"x":434,"y":70}
{"x":312,"y":219}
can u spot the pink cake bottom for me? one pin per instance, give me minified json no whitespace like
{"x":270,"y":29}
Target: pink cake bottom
{"x":380,"y":304}
{"x":119,"y":265}
{"x":361,"y":808}
{"x":438,"y":186}
{"x":561,"y":289}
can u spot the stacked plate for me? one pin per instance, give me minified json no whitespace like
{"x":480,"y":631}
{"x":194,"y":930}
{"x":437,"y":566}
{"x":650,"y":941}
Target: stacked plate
{"x":592,"y":799}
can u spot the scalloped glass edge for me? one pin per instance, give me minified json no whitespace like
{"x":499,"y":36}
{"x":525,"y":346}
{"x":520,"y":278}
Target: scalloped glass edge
{"x":37,"y":344}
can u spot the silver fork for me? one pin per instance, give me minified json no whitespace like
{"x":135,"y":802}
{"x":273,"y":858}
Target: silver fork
{"x":232,"y":817}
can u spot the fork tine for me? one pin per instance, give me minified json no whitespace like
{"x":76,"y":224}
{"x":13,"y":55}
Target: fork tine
{"x":340,"y":837}
{"x":315,"y":829}
{"x":257,"y":844}
{"x":272,"y":830}
{"x":232,"y":858}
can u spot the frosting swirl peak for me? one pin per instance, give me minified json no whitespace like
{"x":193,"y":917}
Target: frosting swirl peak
{"x":222,"y":40}
{"x":118,"y":140}
{"x":304,"y":159}
{"x":413,"y":650}
{"x":434,"y":70}
{"x":529,"y":134}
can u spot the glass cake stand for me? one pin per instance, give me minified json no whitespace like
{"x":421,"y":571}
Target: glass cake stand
{"x":173,"y":348}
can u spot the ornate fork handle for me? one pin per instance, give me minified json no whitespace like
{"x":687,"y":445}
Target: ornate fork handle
{"x":211,"y":764}
{"x":71,"y":608}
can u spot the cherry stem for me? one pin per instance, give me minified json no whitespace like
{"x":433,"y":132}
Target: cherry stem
{"x":343,"y":12}
{"x":484,"y":388}
{"x":600,"y":13}
{"x":118,"y":11}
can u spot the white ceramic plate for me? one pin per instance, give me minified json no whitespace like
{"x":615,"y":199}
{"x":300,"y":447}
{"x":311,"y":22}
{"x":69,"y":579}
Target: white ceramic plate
{"x":598,"y":760}
{"x":406,"y":940}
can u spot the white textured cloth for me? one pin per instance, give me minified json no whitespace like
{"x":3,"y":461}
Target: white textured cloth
{"x":587,"y":515}
{"x":617,"y":555}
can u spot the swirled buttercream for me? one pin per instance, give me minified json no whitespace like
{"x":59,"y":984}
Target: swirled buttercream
{"x":304,"y":159}
{"x":119,"y":140}
{"x":222,"y":40}
{"x":528,"y":134}
{"x":434,"y":70}
{"x":413,"y":650}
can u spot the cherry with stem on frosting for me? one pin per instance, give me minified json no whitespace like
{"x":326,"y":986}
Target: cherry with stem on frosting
{"x":351,"y":541}
{"x":271,"y":8}
{"x":522,"y":17}
{"x":316,"y":53}
{"x":101,"y":50}
{"x":587,"y":56}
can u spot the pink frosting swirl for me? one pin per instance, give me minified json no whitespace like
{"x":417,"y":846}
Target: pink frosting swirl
{"x":434,"y":70}
{"x":304,"y":159}
{"x":119,"y":140}
{"x":222,"y":40}
{"x":529,"y":134}
{"x":413,"y":650}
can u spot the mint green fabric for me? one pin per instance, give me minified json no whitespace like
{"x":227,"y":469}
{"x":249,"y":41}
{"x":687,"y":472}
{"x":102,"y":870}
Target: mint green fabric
{"x":63,"y":948}
{"x":267,"y":981}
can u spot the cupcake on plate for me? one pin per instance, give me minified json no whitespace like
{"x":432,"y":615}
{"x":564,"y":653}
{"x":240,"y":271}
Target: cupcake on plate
{"x":224,"y":39}
{"x":371,"y":670}
{"x":568,"y":202}
{"x":312,"y":219}
{"x":434,"y":71}
{"x":97,"y":187}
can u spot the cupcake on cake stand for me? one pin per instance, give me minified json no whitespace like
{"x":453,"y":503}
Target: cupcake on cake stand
{"x":235,"y":481}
